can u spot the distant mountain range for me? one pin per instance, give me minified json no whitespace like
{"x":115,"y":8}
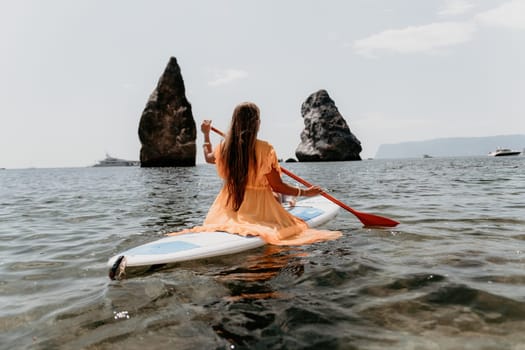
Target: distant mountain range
{"x":449,"y":147}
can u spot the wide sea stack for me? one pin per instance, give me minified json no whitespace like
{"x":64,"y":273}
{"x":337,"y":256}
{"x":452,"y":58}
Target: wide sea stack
{"x":167,"y":129}
{"x":326,"y":136}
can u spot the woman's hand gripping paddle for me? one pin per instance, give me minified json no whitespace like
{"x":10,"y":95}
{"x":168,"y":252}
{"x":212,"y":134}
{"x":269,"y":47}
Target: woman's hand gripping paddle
{"x":366,"y":219}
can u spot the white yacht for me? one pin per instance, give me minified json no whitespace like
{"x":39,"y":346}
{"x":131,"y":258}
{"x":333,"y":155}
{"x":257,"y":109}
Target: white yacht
{"x":112,"y":161}
{"x":504,"y":152}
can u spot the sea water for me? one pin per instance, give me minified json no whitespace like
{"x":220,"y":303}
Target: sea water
{"x":450,"y":276}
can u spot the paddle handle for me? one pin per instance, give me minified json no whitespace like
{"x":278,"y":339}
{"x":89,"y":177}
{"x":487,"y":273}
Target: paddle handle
{"x":217,"y":131}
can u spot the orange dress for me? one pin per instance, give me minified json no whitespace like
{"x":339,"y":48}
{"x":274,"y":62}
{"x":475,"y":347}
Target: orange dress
{"x":260,"y":214}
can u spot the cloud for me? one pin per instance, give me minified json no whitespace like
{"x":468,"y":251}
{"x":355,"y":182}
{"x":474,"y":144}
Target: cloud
{"x":435,"y":37}
{"x":510,"y":15}
{"x":227,"y":76}
{"x":429,"y":38}
{"x":455,"y":7}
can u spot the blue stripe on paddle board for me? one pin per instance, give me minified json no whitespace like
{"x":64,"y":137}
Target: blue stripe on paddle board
{"x":161,"y":248}
{"x":306,"y":213}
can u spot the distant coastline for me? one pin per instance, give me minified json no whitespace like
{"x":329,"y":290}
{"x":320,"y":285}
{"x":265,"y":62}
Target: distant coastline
{"x":451,"y":147}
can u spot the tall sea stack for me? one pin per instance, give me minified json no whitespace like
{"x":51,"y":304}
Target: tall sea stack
{"x":326,"y":137}
{"x":167,"y":129}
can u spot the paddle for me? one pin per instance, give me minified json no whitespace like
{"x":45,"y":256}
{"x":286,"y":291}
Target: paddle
{"x":366,"y":219}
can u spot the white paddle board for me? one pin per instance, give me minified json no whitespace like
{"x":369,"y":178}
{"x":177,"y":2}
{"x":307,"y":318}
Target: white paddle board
{"x":192,"y":246}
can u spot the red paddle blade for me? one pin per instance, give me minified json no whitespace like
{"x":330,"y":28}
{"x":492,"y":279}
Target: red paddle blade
{"x":375,"y":220}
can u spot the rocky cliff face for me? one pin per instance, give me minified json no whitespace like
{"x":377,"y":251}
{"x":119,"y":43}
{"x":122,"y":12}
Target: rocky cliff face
{"x":167,"y":129}
{"x":326,"y":136}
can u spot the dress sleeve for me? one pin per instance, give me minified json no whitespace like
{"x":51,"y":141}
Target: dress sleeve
{"x":269,"y":161}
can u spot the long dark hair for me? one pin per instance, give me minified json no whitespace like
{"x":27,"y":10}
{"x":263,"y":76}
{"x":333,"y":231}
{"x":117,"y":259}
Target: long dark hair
{"x":238,"y":152}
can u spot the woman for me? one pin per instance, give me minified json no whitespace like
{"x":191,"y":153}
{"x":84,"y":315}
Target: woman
{"x":246,"y":204}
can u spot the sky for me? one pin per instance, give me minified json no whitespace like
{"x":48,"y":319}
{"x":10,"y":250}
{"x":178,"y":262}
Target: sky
{"x":75,"y":76}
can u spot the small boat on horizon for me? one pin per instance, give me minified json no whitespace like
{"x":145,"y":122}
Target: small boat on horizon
{"x":500,"y":152}
{"x":112,"y":161}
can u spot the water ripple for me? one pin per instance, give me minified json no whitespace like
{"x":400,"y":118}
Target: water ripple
{"x":450,"y":274}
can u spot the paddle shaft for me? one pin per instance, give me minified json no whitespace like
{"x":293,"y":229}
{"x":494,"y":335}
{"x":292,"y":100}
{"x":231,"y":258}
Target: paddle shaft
{"x":366,"y":219}
{"x":324,"y":194}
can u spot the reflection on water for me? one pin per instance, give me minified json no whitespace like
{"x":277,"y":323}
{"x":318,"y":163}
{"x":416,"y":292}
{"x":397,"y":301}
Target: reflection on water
{"x":180,"y":190}
{"x":254,"y":279}
{"x":450,"y":276}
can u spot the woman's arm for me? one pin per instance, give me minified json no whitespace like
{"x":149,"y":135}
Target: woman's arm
{"x":209,"y":156}
{"x":277,"y":184}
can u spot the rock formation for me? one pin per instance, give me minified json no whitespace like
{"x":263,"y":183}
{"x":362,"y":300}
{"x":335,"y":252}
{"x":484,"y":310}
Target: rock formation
{"x":326,"y":136}
{"x":167,"y":129}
